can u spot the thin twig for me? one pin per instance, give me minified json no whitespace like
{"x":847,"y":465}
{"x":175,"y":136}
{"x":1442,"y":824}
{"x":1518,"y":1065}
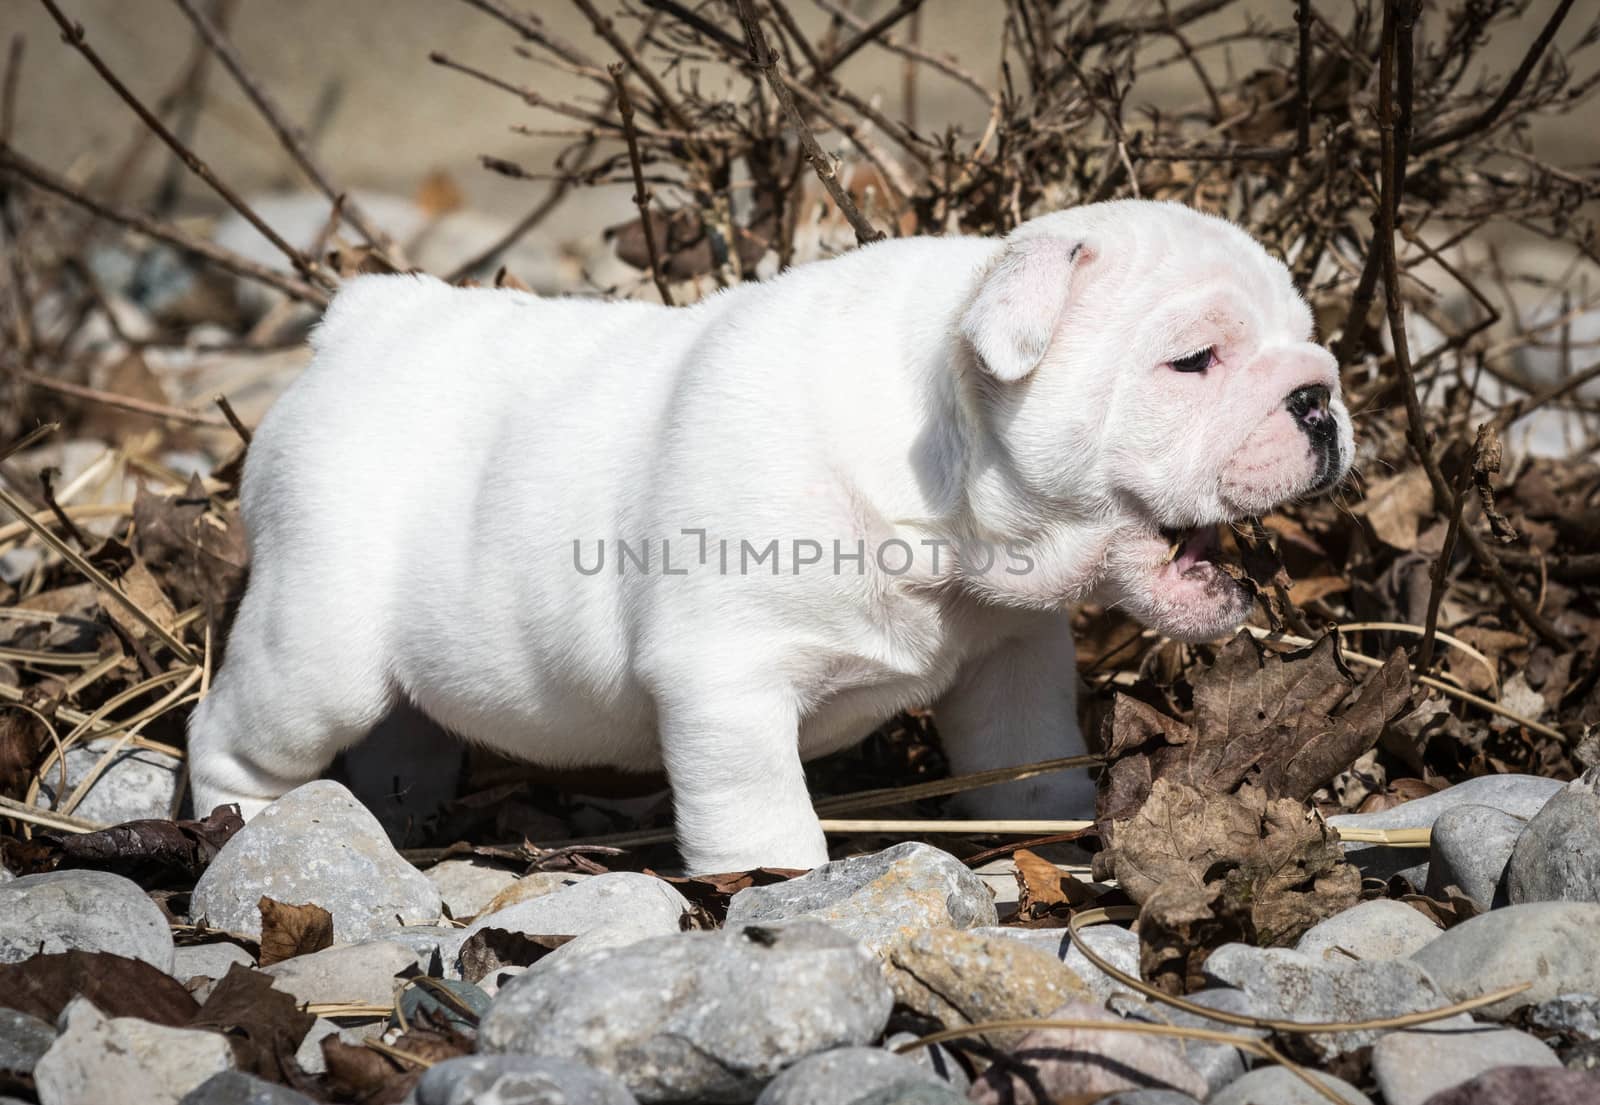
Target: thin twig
{"x":641,"y":194}
{"x":72,"y":34}
{"x":13,"y":162}
{"x":762,"y":57}
{"x":289,"y":136}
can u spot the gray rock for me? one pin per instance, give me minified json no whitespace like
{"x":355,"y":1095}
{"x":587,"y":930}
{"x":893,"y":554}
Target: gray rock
{"x":5,"y":874}
{"x":1524,"y":1086}
{"x":876,"y":899}
{"x":912,"y":1093}
{"x":1470,"y":849}
{"x":92,"y":911}
{"x":233,"y":1087}
{"x":148,"y":1063}
{"x":1554,"y":945}
{"x":435,"y":946}
{"x":1117,"y":946}
{"x":1413,"y":1065}
{"x":1379,"y":929}
{"x":1278,"y":1086}
{"x":620,"y":900}
{"x":1575,"y":1016}
{"x":316,"y":844}
{"x":957,"y":977}
{"x":22,"y":1040}
{"x":467,"y":885}
{"x":363,"y":973}
{"x":309,"y":1053}
{"x":1290,"y":985}
{"x":1519,"y":795}
{"x":1148,"y":1097}
{"x":1218,"y":1064}
{"x":208,"y":960}
{"x":1081,"y":1061}
{"x":935,"y":1059}
{"x":519,"y":1080}
{"x":841,"y":1076}
{"x":700,"y":1015}
{"x":1557,"y":857}
{"x":139,"y":784}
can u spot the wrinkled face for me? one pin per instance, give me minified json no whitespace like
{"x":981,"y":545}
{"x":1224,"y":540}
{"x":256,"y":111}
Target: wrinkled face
{"x":1178,"y":390}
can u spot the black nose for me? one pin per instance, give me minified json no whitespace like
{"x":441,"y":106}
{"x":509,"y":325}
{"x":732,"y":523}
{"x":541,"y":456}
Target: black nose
{"x":1309,"y":405}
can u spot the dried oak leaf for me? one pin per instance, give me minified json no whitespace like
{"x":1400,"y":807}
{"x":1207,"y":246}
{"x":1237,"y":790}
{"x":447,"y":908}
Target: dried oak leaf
{"x":364,"y":1075}
{"x":197,"y":552}
{"x":1259,"y":716}
{"x":291,"y":930}
{"x":42,"y":986}
{"x":152,"y":852}
{"x":264,"y":1026}
{"x":1045,"y":889}
{"x":490,"y":949}
{"x":1208,"y":868}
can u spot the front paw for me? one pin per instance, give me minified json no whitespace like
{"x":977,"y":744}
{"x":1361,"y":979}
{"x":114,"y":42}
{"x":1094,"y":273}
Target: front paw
{"x":803,"y":849}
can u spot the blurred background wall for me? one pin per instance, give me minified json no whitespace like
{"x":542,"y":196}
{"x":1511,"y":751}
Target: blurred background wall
{"x":356,"y":73}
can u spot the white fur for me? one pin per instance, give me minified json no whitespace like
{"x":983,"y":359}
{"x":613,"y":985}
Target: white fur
{"x":414,"y":498}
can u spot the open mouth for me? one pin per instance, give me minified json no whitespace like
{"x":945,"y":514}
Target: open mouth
{"x":1191,"y":587}
{"x":1196,"y":554}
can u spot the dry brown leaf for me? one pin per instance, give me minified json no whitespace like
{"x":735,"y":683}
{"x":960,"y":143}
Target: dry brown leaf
{"x":1043,"y":888}
{"x":490,"y":949}
{"x":291,"y":930}
{"x":1395,"y":507}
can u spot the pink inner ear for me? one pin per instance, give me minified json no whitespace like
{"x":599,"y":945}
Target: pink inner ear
{"x":1014,"y":316}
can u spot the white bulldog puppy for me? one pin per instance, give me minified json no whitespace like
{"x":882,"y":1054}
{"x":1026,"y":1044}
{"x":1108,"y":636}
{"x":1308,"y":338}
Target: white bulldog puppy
{"x":721,"y":540}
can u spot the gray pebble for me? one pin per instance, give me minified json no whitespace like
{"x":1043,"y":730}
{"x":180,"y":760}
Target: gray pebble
{"x":1519,"y":795}
{"x":1117,"y":946}
{"x":710,"y":1015}
{"x":1557,"y":857}
{"x":1413,"y":1065}
{"x":1524,"y":1086}
{"x":148,"y":1063}
{"x":1575,"y":1016}
{"x":1278,"y":1086}
{"x":1470,"y":849}
{"x":1290,"y":985}
{"x":364,"y":973}
{"x":140,"y":784}
{"x":467,"y":885}
{"x":316,"y":844}
{"x":841,"y":1076}
{"x":877,"y":898}
{"x":1148,"y":1097}
{"x":518,"y":1080}
{"x":233,"y":1087}
{"x":435,"y":946}
{"x":1218,"y":1064}
{"x":1554,"y":945}
{"x":627,"y":903}
{"x":1082,"y":1061}
{"x":22,"y":1040}
{"x":208,"y":960}
{"x":91,"y":911}
{"x":936,"y":1059}
{"x":912,"y":1093}
{"x":1378,"y":929}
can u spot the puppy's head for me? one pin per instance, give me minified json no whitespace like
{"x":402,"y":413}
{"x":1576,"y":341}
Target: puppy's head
{"x":1150,"y":369}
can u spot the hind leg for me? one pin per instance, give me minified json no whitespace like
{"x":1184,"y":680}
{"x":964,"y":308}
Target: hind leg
{"x":298,"y":686}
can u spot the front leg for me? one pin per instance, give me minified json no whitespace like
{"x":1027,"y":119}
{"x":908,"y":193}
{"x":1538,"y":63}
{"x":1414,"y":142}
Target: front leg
{"x":739,"y":796}
{"x":1014,"y":705}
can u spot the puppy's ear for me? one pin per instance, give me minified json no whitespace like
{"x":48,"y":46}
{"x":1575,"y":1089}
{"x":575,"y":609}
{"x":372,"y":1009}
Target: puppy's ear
{"x":1019,"y":304}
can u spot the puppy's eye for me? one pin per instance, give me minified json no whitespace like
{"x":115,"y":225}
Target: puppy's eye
{"x":1198,"y":361}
